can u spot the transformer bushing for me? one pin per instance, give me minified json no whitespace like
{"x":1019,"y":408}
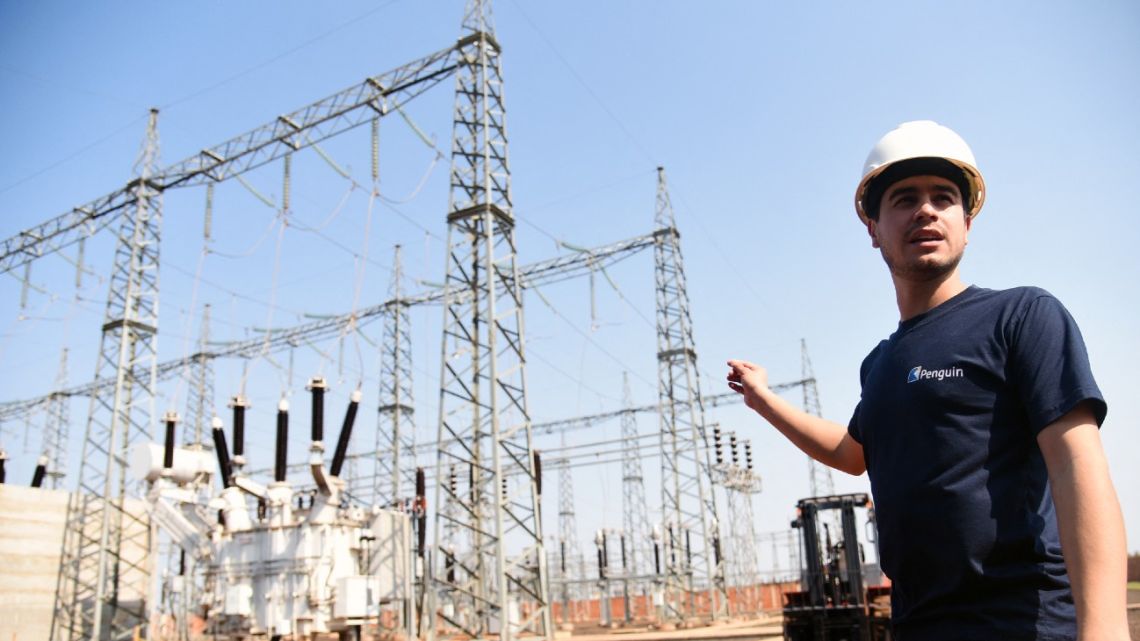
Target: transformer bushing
{"x":320,"y":567}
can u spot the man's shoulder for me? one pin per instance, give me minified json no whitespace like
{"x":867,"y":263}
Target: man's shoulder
{"x":1008,"y":306}
{"x":869,"y":359}
{"x":1021,"y":295}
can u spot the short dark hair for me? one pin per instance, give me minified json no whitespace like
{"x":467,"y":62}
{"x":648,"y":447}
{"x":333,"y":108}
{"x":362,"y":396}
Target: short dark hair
{"x":904,"y":169}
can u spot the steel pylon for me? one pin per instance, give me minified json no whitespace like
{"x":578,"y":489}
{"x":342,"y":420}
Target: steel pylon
{"x":635,"y":515}
{"x":742,"y":483}
{"x":822,"y":483}
{"x":692,"y":560}
{"x":499,"y":586}
{"x":569,"y":551}
{"x":105,"y":571}
{"x":395,"y":475}
{"x":57,"y":426}
{"x":200,"y":404}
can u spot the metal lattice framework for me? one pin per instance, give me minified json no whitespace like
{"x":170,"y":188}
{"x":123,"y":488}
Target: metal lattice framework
{"x":484,"y":424}
{"x":56,"y":428}
{"x":569,"y":550}
{"x":101,"y":589}
{"x":819,"y":475}
{"x":692,"y":562}
{"x":635,"y":514}
{"x":336,"y":114}
{"x":200,"y":404}
{"x":104,"y":575}
{"x":741,"y":483}
{"x":395,"y":436}
{"x":532,"y":275}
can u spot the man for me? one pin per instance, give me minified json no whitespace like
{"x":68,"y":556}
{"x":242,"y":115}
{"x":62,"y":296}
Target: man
{"x":978,"y":425}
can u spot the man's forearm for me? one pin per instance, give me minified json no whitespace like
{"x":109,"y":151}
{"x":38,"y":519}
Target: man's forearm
{"x":819,"y":438}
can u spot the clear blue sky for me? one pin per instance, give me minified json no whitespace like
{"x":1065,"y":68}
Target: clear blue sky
{"x":762,"y":114}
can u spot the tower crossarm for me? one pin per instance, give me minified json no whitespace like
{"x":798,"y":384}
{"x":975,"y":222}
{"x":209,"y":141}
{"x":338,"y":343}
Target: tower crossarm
{"x":578,"y":422}
{"x":357,"y":105}
{"x":535,"y":274}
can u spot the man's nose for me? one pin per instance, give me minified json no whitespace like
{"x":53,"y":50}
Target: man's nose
{"x":926,"y":209}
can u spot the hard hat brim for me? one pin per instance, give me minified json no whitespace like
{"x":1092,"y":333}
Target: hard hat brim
{"x":973,"y":178}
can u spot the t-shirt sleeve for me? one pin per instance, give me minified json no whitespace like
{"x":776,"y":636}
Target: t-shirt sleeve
{"x":1049,"y":364}
{"x":853,"y":427}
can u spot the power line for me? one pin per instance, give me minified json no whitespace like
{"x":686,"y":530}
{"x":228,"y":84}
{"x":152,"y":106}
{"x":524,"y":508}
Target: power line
{"x":287,"y":52}
{"x":73,"y":155}
{"x":582,"y":81}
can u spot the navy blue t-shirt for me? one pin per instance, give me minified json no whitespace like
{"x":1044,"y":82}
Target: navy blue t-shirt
{"x":951,"y":407}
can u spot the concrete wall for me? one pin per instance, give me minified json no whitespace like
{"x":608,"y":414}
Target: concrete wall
{"x":32,"y":522}
{"x":31,"y":538}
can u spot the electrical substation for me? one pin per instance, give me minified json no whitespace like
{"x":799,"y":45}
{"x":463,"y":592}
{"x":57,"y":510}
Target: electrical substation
{"x":184,"y":522}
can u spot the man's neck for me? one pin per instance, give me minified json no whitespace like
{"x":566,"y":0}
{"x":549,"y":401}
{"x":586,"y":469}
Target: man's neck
{"x":916,"y":297}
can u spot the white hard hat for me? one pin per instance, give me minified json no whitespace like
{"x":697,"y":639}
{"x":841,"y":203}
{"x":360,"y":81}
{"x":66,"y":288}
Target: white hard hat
{"x":922,"y":139}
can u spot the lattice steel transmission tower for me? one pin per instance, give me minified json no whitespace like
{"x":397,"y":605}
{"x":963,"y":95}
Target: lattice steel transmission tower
{"x":105,"y":571}
{"x":396,"y":434}
{"x":635,"y":515}
{"x":57,"y":427}
{"x":569,"y":551}
{"x":741,"y":483}
{"x":200,"y":404}
{"x":822,"y":483}
{"x":692,"y":560}
{"x":484,"y":424}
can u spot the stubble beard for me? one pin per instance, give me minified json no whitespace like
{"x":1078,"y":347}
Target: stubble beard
{"x":920,"y":270}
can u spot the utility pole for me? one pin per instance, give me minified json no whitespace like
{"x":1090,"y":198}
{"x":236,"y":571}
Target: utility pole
{"x":693,"y":561}
{"x":105,"y":572}
{"x":484,"y":422}
{"x":396,"y":435}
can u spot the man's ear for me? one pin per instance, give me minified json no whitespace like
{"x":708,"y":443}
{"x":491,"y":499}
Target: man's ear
{"x":871,"y":233}
{"x":969,"y":223}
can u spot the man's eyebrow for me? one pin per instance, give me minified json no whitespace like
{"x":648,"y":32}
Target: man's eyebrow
{"x":899,"y":191}
{"x":910,"y":190}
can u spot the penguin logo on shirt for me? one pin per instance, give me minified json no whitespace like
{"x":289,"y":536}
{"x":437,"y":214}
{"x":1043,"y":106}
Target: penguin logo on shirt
{"x":919,"y":373}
